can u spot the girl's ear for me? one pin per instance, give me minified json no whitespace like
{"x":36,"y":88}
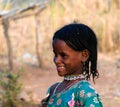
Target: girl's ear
{"x":85,"y":55}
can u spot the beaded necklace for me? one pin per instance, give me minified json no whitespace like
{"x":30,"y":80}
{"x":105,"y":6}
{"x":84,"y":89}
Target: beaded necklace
{"x":73,"y":77}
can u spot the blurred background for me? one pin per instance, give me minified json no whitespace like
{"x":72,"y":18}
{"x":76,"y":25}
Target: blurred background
{"x":26,"y":30}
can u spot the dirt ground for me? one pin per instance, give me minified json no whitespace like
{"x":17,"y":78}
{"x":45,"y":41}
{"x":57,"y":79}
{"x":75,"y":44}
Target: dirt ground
{"x":36,"y":81}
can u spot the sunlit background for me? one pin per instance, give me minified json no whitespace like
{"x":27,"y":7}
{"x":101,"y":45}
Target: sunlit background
{"x":26,"y":30}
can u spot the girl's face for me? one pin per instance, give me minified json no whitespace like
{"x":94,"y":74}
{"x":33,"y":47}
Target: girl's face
{"x":67,"y":60}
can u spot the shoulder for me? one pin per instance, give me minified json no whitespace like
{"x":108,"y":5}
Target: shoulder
{"x":84,"y":89}
{"x":85,"y":85}
{"x":87,"y":94}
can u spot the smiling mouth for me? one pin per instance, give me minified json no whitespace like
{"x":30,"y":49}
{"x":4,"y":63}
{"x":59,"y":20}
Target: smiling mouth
{"x":60,"y":67}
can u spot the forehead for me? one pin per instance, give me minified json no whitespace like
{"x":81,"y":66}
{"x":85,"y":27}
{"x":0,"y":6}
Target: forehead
{"x":60,"y":45}
{"x":57,"y":43}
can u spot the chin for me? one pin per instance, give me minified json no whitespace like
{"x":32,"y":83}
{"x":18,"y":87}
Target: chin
{"x":61,"y":75}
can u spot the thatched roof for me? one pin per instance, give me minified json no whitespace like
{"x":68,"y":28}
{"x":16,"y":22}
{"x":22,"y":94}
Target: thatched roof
{"x":9,"y":8}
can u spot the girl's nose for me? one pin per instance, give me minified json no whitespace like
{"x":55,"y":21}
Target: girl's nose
{"x":57,"y":60}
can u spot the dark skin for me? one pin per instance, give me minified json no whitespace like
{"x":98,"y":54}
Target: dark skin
{"x":68,"y":62}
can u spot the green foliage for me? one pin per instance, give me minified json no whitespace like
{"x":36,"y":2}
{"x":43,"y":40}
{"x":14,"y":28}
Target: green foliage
{"x":10,"y":88}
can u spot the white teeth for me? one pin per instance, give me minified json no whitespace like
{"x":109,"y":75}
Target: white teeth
{"x":60,"y":67}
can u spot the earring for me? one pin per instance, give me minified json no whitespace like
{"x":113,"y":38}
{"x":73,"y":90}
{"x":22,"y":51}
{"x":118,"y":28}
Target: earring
{"x":84,"y":68}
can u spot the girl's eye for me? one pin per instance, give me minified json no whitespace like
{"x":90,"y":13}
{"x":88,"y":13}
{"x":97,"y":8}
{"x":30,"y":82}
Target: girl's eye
{"x":63,"y":55}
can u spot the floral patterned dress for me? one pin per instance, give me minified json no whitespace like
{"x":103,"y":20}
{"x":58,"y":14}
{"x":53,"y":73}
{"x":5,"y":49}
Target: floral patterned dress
{"x":80,"y":94}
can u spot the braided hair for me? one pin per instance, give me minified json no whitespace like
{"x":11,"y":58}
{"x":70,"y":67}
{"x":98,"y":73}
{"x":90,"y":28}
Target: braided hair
{"x":80,"y":37}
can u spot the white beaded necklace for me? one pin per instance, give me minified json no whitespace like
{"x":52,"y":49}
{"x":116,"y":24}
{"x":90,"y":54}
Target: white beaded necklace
{"x":73,"y":77}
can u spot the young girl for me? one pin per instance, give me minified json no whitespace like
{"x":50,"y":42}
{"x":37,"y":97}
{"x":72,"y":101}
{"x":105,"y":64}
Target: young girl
{"x":75,"y":57}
